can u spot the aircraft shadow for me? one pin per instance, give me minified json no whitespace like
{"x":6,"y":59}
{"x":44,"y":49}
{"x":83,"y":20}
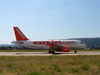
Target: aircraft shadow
{"x":61,"y":53}
{"x":45,"y":53}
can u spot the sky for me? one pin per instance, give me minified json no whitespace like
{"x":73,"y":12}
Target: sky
{"x":49,"y":19}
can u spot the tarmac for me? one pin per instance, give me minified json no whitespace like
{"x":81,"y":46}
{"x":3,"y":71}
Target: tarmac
{"x":47,"y":54}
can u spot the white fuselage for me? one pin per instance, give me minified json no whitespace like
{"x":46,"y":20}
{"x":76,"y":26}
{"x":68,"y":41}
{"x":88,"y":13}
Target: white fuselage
{"x":75,"y":44}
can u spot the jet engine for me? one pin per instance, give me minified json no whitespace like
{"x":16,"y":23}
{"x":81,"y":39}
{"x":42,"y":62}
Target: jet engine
{"x":62,"y":48}
{"x":65,"y":49}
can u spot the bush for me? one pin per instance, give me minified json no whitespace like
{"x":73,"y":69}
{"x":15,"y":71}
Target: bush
{"x":9,"y":65}
{"x":75,"y":70}
{"x":85,"y":67}
{"x":34,"y":73}
{"x":56,"y":68}
{"x":49,"y":57}
{"x":99,"y":65}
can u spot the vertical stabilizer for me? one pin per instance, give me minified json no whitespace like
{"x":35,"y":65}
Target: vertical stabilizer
{"x":19,"y":35}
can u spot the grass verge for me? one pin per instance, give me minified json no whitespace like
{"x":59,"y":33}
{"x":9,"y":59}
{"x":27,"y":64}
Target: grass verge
{"x":50,"y":65}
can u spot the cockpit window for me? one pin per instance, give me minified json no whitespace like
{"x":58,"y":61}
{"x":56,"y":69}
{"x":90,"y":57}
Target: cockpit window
{"x":82,"y":42}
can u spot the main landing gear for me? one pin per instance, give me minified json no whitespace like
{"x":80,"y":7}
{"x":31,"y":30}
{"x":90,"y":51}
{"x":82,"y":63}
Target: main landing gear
{"x":75,"y":51}
{"x":52,"y":51}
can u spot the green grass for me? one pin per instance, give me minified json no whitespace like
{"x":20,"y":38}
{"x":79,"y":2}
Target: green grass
{"x":75,"y":69}
{"x":56,"y":68}
{"x":34,"y":73}
{"x":50,"y":65}
{"x":85,"y":67}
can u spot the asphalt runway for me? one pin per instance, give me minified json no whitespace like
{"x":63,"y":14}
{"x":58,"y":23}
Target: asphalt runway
{"x":47,"y":54}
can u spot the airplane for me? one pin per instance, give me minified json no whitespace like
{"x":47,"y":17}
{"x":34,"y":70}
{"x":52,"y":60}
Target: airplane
{"x":51,"y":45}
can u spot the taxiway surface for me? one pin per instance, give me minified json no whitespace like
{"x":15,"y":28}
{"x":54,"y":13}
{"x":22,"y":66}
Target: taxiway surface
{"x":47,"y":54}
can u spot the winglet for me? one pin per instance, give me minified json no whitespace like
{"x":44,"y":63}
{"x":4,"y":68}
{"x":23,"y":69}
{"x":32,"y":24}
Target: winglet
{"x":19,"y":35}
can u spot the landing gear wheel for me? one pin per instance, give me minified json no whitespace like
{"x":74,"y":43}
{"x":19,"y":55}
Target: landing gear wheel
{"x":50,"y":51}
{"x":53,"y":52}
{"x":75,"y":51}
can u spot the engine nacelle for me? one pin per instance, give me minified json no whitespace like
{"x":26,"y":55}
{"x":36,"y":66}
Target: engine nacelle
{"x":62,"y":48}
{"x":66,"y":49}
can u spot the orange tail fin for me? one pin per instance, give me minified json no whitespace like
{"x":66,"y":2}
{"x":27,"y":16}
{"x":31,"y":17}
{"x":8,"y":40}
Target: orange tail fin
{"x":19,"y":35}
